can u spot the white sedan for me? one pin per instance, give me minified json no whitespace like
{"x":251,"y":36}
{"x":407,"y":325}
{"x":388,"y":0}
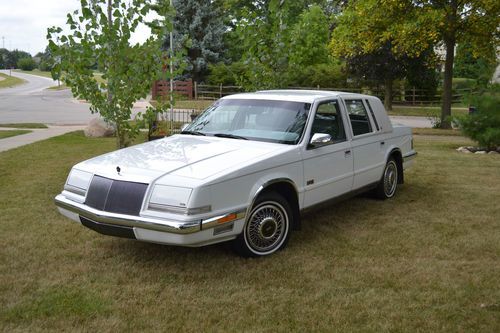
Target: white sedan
{"x":243,"y":171}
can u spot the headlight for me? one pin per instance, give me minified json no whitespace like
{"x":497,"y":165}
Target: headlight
{"x":78,"y":182}
{"x":173,"y":199}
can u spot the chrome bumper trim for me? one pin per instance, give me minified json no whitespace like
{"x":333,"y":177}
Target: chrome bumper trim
{"x":409,"y":156}
{"x":95,"y":215}
{"x":215,"y":221}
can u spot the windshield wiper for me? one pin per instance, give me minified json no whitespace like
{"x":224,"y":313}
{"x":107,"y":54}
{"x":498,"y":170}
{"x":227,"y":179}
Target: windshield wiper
{"x":193,"y":133}
{"x":230,"y":136}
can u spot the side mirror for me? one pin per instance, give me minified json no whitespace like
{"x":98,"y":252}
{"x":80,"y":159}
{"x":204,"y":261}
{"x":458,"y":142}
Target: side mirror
{"x":320,"y":139}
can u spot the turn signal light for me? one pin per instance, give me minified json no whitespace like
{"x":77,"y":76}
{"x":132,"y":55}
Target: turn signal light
{"x":227,"y":218}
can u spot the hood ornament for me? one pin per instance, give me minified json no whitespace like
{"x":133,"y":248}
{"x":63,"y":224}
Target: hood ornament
{"x":118,"y":169}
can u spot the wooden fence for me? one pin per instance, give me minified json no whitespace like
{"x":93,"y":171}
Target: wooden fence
{"x":162,"y":88}
{"x":401,"y":96}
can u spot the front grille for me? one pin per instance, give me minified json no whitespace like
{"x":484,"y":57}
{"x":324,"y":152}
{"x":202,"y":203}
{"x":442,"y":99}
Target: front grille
{"x":115,"y":196}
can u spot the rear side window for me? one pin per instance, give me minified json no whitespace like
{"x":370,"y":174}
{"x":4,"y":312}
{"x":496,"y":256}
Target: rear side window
{"x":358,"y":117}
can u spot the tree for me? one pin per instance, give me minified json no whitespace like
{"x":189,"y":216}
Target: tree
{"x":309,"y":38}
{"x":265,"y":30}
{"x":467,"y":65}
{"x":380,"y":66}
{"x":100,"y":33}
{"x":364,"y":36}
{"x":9,"y":59}
{"x":26,"y":64}
{"x":414,"y":26}
{"x":199,"y":29}
{"x":475,"y":21}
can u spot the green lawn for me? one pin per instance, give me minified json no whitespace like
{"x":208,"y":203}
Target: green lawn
{"x":24,"y":125}
{"x":98,"y":77}
{"x":7,"y":81}
{"x":424,"y":111}
{"x":36,"y":72}
{"x":436,"y":131}
{"x":425,"y":261}
{"x":9,"y":133}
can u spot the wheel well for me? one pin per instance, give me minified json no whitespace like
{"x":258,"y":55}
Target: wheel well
{"x":396,"y":154}
{"x":288,"y":192}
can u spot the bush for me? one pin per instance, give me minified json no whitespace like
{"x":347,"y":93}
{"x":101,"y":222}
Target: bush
{"x":26,"y":64}
{"x":483,"y":125}
{"x":45,"y":66}
{"x":227,"y":75}
{"x":329,"y":75}
{"x":463,"y":83}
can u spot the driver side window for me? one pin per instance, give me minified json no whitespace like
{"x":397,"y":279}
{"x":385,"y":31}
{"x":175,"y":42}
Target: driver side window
{"x":328,"y":120}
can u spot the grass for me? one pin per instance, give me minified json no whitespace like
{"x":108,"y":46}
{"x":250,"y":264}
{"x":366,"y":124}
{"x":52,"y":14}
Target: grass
{"x":10,"y":133}
{"x":424,"y":111}
{"x":36,"y":72}
{"x":436,"y":131}
{"x":9,"y":81}
{"x":97,"y":76}
{"x":24,"y":125}
{"x":61,"y":87}
{"x":425,"y":261}
{"x":197,"y":105}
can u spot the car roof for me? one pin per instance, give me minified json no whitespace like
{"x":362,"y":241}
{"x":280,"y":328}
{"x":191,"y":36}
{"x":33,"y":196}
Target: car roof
{"x":305,"y":96}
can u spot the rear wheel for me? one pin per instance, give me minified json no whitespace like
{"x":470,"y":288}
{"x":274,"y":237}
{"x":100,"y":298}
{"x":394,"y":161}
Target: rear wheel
{"x":267,"y":228}
{"x":387,"y":186}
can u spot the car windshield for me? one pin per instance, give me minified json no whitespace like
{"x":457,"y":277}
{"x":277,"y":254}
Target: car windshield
{"x":261,"y":120}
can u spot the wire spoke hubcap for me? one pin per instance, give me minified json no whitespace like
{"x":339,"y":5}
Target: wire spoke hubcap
{"x":390,"y":179}
{"x":267,"y":226}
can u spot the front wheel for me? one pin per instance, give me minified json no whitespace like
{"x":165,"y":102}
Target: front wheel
{"x":389,"y":182}
{"x":267,"y":228}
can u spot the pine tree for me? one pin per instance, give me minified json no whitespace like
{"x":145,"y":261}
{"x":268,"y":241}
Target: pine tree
{"x":199,"y":29}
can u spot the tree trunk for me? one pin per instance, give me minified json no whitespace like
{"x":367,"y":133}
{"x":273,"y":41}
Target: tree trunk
{"x":119,"y":135}
{"x":388,"y":94}
{"x":447,"y":83}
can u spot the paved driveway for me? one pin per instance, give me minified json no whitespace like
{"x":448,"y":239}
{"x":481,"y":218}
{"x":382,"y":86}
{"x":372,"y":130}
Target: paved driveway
{"x":32,"y":102}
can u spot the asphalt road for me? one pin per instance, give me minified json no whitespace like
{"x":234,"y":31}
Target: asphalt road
{"x":33,"y":103}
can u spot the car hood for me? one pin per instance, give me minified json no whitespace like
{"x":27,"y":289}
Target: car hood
{"x":184,"y":156}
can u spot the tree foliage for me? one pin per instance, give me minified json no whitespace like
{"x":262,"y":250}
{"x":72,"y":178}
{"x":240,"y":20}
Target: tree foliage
{"x":9,"y":59}
{"x":199,"y":30}
{"x":100,"y":34}
{"x":483,"y":126}
{"x":26,"y":64}
{"x":415,"y":26}
{"x":367,"y":37}
{"x":268,"y":32}
{"x":480,"y":67}
{"x":309,"y":38}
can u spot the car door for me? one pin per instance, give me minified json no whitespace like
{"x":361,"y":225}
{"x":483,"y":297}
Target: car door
{"x":368,"y":146}
{"x":328,"y":165}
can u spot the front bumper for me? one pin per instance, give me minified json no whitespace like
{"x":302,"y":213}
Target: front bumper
{"x":187,"y":233}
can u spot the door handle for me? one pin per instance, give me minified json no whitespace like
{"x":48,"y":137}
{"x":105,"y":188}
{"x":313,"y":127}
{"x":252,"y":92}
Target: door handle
{"x":382,"y":143}
{"x":347,"y":153}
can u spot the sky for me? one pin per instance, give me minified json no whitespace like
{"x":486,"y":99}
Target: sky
{"x":24,"y":23}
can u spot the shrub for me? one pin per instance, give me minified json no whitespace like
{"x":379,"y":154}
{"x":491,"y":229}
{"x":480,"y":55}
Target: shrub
{"x":329,"y":75}
{"x":45,"y":66}
{"x":483,"y":125}
{"x":26,"y":64}
{"x":463,"y":83}
{"x":226,"y":75}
